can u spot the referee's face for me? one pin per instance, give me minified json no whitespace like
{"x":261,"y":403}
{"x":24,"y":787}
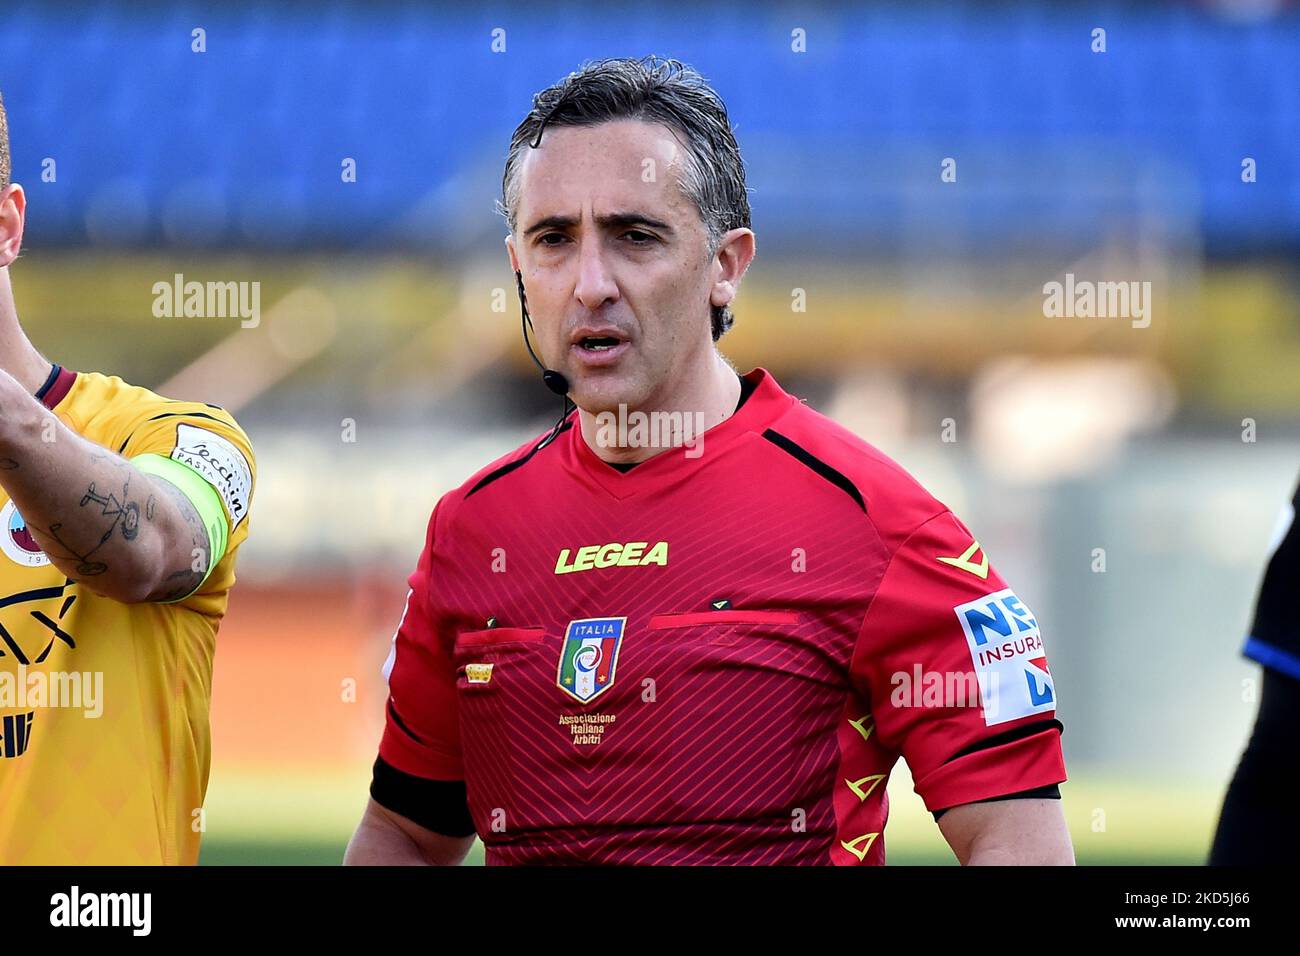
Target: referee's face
{"x":613,"y":257}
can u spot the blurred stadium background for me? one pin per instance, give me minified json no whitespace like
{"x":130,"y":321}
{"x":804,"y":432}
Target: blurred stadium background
{"x":387,"y":303}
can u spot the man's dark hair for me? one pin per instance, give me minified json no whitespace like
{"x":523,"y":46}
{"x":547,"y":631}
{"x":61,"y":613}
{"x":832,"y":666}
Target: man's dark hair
{"x":5,"y":168}
{"x":655,"y":91}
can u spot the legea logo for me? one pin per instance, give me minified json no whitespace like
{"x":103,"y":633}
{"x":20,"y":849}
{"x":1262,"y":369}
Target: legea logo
{"x":629,"y":555}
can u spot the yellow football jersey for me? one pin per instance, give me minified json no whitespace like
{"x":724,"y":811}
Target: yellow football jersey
{"x":104,"y":741}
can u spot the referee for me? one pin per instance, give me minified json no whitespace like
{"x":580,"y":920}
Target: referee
{"x":697,"y":622}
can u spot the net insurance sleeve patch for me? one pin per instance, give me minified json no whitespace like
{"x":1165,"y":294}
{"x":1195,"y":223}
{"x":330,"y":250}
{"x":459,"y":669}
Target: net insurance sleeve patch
{"x":1006,"y":648}
{"x":221,"y":463}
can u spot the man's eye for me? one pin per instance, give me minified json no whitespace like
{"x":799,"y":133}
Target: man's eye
{"x":550,"y":235}
{"x":640,"y":238}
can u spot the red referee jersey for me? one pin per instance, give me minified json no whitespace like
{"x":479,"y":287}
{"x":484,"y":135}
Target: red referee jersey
{"x":711,"y":659}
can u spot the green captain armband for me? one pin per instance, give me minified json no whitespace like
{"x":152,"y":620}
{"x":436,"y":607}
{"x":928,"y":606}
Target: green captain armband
{"x":201,"y":495}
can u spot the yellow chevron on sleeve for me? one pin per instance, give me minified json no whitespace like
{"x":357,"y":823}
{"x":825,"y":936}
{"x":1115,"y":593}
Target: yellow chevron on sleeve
{"x":964,"y":563}
{"x":856,"y":847}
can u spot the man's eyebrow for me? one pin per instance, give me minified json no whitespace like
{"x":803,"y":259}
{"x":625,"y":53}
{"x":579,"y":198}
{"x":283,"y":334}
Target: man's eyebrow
{"x":551,"y":222}
{"x":633,"y":218}
{"x":610,"y":220}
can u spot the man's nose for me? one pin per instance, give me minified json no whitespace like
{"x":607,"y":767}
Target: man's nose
{"x":595,"y":285}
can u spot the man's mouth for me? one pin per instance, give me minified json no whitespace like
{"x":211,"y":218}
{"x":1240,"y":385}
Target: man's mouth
{"x":598,"y":348}
{"x":598,"y":343}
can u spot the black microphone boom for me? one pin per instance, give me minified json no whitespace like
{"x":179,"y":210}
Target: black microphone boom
{"x":553,"y":380}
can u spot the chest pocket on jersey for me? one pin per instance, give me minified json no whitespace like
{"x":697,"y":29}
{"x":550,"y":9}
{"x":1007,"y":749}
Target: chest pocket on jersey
{"x":737,"y":704}
{"x":493,"y":668}
{"x":716,"y":619}
{"x":484,"y":658}
{"x":498,"y":635}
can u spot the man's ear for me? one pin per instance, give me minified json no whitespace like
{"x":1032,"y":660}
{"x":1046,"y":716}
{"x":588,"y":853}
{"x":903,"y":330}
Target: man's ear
{"x":735,"y":253}
{"x":13,"y":213}
{"x":514,"y":258}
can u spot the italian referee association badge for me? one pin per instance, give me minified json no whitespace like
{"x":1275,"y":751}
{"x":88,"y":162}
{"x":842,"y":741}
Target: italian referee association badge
{"x":589,"y":656}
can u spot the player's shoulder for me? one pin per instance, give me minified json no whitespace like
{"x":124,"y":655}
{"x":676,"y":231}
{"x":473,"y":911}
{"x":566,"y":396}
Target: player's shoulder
{"x":107,"y":405}
{"x":892,"y":498}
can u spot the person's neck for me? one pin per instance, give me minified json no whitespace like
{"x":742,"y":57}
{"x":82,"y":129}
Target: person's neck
{"x":706,"y":400}
{"x":18,"y":356}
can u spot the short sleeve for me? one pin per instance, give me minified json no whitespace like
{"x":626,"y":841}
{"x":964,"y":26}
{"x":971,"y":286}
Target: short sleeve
{"x":421,"y":730}
{"x":208,"y":440}
{"x":954,"y":667}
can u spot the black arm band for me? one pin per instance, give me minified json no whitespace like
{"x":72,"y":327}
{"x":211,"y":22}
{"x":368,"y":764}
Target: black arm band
{"x":437,"y":805}
{"x":1050,"y":792}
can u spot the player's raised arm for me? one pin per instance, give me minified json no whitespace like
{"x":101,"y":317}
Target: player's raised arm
{"x":102,"y":520}
{"x":119,"y":530}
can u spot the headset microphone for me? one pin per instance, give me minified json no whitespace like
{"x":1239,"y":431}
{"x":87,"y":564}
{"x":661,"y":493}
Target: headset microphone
{"x":555,"y":381}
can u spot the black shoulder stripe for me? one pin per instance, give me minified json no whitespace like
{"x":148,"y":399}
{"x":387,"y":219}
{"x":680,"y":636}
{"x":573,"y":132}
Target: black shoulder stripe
{"x":212,"y":418}
{"x":1009,"y":736}
{"x":816,"y":464}
{"x":511,"y":466}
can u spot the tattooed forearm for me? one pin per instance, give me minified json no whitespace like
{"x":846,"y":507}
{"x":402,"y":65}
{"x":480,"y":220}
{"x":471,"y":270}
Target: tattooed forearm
{"x":124,"y":514}
{"x":188,"y":578}
{"x":126,"y":533}
{"x":110,"y":507}
{"x":84,"y":567}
